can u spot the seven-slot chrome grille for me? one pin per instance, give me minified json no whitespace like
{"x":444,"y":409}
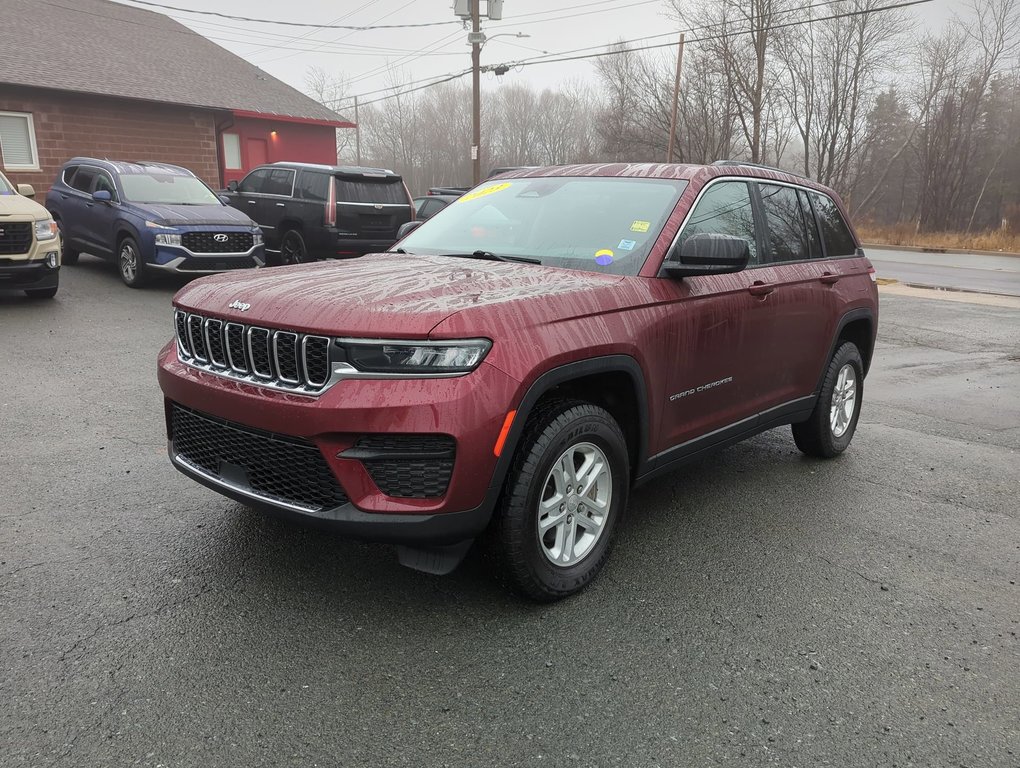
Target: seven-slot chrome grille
{"x":279,"y":359}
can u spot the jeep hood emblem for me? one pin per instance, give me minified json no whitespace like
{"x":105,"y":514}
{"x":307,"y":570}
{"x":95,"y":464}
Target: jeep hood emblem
{"x":235,"y":304}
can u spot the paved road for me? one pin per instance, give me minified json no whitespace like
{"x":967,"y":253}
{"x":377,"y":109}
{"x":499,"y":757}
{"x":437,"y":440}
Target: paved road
{"x":963,"y":272}
{"x":760,"y":608}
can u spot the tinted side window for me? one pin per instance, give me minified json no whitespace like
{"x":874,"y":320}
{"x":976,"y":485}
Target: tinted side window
{"x":68,"y":174}
{"x":281,"y":182}
{"x":104,"y":182}
{"x":312,"y":186}
{"x":83,"y":179}
{"x":814,"y":244}
{"x":787,"y":235}
{"x":724,"y":209}
{"x":254,"y":181}
{"x":835,"y":232}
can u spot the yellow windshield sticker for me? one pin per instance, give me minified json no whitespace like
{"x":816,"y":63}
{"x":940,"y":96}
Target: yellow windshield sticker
{"x":640,"y":226}
{"x":483,"y":192}
{"x":604,"y":257}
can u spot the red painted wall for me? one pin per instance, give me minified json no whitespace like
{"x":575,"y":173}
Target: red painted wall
{"x":72,"y":124}
{"x":293,"y":142}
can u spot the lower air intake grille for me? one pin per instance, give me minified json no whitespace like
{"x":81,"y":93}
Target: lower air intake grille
{"x":408,"y":466}
{"x":275,"y":467}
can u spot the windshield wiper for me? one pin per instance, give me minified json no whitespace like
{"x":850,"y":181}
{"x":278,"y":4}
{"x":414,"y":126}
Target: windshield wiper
{"x":490,"y":256}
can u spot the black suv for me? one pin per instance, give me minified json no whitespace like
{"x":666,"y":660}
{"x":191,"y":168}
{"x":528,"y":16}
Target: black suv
{"x":310,"y":212}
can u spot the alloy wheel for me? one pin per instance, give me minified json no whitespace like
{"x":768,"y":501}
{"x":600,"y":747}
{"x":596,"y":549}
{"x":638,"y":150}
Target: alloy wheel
{"x":576,"y":498}
{"x":844,"y":399}
{"x":128,"y":262}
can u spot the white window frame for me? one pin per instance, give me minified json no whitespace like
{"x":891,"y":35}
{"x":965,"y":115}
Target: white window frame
{"x":226,"y":160}
{"x":31,"y":141}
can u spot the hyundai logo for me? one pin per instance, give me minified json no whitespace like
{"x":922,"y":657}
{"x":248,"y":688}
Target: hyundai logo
{"x":236,"y":304}
{"x":221,"y":238}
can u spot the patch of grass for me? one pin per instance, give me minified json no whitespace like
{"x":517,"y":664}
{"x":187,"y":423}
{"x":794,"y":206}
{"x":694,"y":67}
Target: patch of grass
{"x":904,"y":234}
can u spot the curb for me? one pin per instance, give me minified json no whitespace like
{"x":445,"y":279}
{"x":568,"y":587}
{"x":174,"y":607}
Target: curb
{"x":926,"y":249}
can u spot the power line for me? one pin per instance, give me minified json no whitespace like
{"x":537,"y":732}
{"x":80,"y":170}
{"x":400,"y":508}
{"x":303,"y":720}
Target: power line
{"x":278,"y":22}
{"x":619,"y":51}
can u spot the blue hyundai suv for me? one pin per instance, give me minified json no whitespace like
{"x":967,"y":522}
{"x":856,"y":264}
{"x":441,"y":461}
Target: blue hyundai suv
{"x":149,"y":216}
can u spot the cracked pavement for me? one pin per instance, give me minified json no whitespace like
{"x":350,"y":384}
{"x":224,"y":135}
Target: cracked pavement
{"x":759,"y":608}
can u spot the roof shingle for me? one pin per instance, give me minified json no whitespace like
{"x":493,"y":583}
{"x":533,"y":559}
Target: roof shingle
{"x":105,"y":48}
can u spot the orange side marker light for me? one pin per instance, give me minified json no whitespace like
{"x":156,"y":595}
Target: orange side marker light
{"x":498,"y":449}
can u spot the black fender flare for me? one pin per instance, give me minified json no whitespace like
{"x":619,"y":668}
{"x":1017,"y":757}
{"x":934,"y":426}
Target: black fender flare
{"x":560,"y":375}
{"x":861,"y":313}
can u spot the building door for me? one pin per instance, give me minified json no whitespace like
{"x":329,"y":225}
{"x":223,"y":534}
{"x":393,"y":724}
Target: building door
{"x":258,"y":152}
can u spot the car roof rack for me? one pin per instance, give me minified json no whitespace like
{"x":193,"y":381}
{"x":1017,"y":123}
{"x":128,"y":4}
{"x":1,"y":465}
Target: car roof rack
{"x":746,"y":164}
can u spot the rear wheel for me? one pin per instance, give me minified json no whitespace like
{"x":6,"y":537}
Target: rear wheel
{"x":831,"y":426}
{"x":130,"y":265}
{"x":292,"y":248}
{"x":565,"y":495}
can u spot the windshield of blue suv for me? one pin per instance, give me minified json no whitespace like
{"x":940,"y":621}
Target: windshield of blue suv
{"x":595,"y":224}
{"x":166,"y":189}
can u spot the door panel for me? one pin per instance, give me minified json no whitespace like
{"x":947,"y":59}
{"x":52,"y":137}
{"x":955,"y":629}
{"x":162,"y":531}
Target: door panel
{"x":276,"y":202}
{"x":100,"y":218}
{"x":258,"y":152}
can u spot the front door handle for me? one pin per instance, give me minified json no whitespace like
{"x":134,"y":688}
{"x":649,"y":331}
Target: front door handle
{"x":758,"y":288}
{"x":829,"y":278}
{"x":279,"y":205}
{"x":251,"y":202}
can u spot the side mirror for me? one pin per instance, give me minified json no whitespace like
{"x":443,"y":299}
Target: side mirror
{"x":232,"y":185}
{"x":224,"y":199}
{"x":102,"y":196}
{"x":408,"y":228}
{"x":708,"y":254}
{"x":27,"y":190}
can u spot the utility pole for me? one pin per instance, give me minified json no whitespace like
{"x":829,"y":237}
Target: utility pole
{"x":357,"y":130}
{"x":676,"y":99}
{"x":476,"y":95}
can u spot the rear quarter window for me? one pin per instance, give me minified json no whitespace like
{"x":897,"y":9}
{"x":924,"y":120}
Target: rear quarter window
{"x":312,"y":186}
{"x":836,"y":235}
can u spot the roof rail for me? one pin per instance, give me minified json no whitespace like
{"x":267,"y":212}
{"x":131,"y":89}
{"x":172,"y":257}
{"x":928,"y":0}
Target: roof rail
{"x":746,"y":164}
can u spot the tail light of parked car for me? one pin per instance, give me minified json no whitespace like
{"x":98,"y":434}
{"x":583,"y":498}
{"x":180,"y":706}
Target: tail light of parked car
{"x":330,"y":217}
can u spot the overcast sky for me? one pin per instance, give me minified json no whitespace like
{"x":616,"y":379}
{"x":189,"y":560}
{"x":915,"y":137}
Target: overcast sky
{"x":368,"y":58}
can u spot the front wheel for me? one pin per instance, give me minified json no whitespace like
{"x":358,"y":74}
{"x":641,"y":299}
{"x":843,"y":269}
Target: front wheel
{"x":831,"y":426}
{"x":564,"y":497}
{"x":130,"y":264}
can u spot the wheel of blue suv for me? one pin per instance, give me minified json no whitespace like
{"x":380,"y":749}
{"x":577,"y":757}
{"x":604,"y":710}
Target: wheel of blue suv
{"x":564,"y":497}
{"x":831,"y":426}
{"x":67,"y":255}
{"x":130,"y":264}
{"x":292,"y":248}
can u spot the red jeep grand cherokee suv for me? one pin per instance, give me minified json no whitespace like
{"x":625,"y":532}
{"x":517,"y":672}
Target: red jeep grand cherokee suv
{"x":524,"y":358}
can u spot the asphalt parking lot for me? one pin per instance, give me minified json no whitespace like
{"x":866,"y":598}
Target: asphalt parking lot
{"x":759,"y":609}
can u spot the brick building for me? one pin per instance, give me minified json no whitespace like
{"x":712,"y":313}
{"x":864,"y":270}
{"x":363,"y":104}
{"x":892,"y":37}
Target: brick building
{"x":130,"y":84}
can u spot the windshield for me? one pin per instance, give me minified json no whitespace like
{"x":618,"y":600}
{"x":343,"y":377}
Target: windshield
{"x":594,"y":224}
{"x":164,"y":189}
{"x":5,"y":188}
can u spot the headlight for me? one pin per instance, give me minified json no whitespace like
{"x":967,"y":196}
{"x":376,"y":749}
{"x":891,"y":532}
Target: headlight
{"x":165,"y":238}
{"x":415,"y":356}
{"x":257,"y":237}
{"x":45,"y":229}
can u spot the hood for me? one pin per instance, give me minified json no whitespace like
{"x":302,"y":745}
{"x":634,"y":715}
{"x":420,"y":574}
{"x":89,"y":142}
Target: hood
{"x":393,"y":295}
{"x":19,"y":205}
{"x":194,"y":215}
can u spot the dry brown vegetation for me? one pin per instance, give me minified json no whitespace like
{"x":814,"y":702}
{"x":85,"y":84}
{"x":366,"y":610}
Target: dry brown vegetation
{"x":906,"y":234}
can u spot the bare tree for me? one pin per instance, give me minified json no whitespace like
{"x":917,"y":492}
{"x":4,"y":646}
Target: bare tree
{"x":332,"y":89}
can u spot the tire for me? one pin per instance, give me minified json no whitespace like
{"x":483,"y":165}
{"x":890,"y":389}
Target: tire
{"x":130,"y":265}
{"x":41,"y":293}
{"x":831,"y":426}
{"x":293,"y":249}
{"x":68,"y":255}
{"x":544,"y":567}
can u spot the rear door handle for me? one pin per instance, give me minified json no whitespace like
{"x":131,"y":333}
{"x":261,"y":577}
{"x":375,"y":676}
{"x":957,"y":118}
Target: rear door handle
{"x":829,"y":278}
{"x":758,"y":288}
{"x":251,"y":202}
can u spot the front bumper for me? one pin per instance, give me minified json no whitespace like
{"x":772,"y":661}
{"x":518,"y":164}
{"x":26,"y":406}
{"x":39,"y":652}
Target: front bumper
{"x":28,"y":275}
{"x":170,"y":258}
{"x":469,"y":409}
